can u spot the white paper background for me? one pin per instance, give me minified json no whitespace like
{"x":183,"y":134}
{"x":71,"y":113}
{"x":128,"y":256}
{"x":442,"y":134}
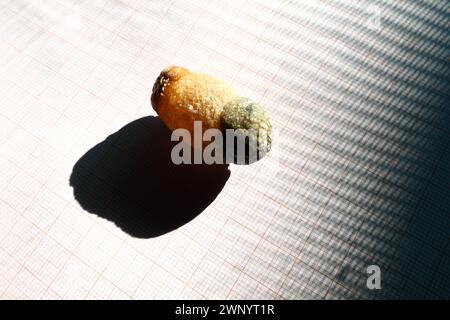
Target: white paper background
{"x":356,"y":91}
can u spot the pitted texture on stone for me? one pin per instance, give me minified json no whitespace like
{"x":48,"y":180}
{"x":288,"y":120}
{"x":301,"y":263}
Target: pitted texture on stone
{"x":251,"y":122}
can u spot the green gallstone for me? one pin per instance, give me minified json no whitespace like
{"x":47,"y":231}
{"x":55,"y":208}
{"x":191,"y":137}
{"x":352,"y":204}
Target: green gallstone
{"x":251,"y":123}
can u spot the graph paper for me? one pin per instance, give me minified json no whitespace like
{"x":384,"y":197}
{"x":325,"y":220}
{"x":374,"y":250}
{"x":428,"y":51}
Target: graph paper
{"x":359,"y":172}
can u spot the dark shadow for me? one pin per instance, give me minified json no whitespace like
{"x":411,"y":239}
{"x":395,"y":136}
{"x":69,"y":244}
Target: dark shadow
{"x":129,"y":179}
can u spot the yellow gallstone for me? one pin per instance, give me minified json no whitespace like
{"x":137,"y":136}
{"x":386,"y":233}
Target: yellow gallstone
{"x":181,"y":97}
{"x":188,"y":97}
